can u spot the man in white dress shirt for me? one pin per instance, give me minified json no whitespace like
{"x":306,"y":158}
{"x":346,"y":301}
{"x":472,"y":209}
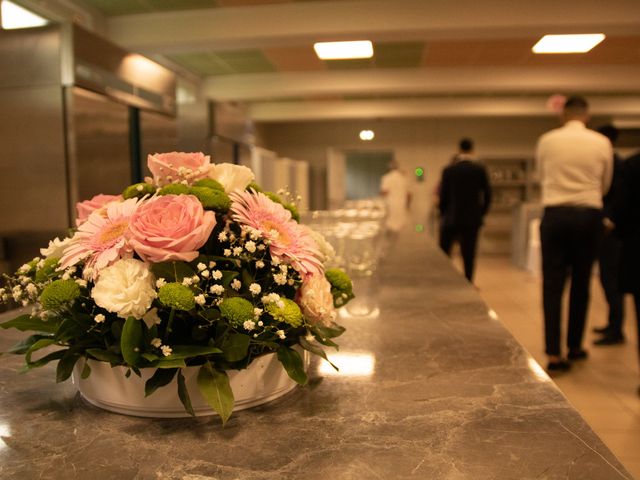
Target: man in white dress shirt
{"x":576,"y":166}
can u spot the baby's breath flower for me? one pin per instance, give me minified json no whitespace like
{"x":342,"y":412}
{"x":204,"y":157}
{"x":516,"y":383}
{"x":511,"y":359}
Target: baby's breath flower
{"x":205,"y":273}
{"x":216,"y":274}
{"x":99,"y":318}
{"x":236,"y":284}
{"x":187,"y":281}
{"x":201,"y":266}
{"x":212,"y":264}
{"x":255,"y":289}
{"x":260,"y":323}
{"x":259,"y":264}
{"x":156,"y":342}
{"x":226,"y":252}
{"x":261,"y":247}
{"x":217,"y":289}
{"x":166,"y":350}
{"x":281,"y":334}
{"x":232,"y":237}
{"x":81,"y":282}
{"x":200,"y":300}
{"x":160,"y":282}
{"x":222,"y":236}
{"x":24,"y":268}
{"x":257,"y":312}
{"x":250,"y":246}
{"x":275,"y":261}
{"x":31,"y":289}
{"x":249,"y":325}
{"x":237,"y":251}
{"x":280,"y":278}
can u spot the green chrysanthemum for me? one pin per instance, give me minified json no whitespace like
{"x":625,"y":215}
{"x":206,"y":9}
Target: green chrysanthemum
{"x":274,"y":197}
{"x":138,"y":190}
{"x":289,"y":314}
{"x":176,"y":295}
{"x":174,"y":189}
{"x":212,"y":199}
{"x":209,"y":183}
{"x":48,"y":269}
{"x":254,"y":186}
{"x":58,"y":294}
{"x":237,"y":310}
{"x":339,"y":280}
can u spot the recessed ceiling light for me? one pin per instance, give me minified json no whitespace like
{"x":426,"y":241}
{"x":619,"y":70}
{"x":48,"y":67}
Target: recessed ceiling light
{"x":343,"y":50}
{"x":367,"y":135}
{"x":14,"y":16}
{"x":568,"y":43}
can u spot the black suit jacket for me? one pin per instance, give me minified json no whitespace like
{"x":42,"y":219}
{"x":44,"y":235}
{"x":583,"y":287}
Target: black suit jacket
{"x":465,"y":194}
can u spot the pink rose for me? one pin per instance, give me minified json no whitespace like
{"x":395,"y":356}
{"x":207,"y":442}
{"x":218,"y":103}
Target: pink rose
{"x":170,"y":227}
{"x":87,"y":207}
{"x":315,"y":300}
{"x":175,"y":167}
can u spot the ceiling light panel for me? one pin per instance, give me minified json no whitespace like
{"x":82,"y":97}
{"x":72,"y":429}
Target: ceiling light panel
{"x":344,"y":50}
{"x":568,"y":43}
{"x":14,"y":16}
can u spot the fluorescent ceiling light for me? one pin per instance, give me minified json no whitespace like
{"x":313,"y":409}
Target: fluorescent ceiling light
{"x":367,"y":135}
{"x":343,"y":50}
{"x":568,"y":43}
{"x":15,"y":16}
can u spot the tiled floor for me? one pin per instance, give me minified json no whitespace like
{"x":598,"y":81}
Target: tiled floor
{"x":602,"y":388}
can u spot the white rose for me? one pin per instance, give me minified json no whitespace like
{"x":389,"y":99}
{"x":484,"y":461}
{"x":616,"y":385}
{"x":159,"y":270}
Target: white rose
{"x":125,"y":288}
{"x":55,"y":248}
{"x":231,"y":177}
{"x":315,"y":300}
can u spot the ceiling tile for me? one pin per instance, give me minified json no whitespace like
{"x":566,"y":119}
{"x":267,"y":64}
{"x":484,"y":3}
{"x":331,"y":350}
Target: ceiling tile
{"x":294,"y":59}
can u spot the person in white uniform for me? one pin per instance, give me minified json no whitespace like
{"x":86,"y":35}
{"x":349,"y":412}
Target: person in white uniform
{"x":394,"y":187}
{"x":576,"y":166}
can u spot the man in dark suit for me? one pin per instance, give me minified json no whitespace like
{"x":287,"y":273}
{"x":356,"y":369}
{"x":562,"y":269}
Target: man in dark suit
{"x":465,"y":196}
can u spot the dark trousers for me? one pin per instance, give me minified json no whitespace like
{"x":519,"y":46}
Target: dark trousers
{"x":468,"y":238}
{"x":609,"y":263}
{"x":570,"y":238}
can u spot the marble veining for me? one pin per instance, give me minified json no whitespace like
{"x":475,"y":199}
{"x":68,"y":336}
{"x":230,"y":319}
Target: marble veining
{"x":439,"y":390}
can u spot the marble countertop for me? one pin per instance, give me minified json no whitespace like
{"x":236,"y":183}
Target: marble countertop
{"x":431,"y":387}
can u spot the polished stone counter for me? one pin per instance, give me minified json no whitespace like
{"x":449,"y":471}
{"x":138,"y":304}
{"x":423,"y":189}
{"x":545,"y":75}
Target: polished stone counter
{"x":431,"y":388}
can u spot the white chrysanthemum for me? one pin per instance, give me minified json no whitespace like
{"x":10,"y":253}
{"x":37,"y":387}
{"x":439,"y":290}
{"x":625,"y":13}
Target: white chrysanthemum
{"x":231,"y":177}
{"x":55,"y":248}
{"x":125,"y":288}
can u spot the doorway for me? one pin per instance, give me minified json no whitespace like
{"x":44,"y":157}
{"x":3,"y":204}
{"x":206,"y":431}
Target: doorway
{"x":363,"y":172}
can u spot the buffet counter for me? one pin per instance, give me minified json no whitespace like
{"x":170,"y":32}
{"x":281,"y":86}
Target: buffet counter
{"x":431,"y":386}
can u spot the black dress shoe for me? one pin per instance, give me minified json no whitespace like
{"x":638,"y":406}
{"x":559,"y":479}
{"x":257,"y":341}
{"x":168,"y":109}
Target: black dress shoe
{"x":577,"y":354}
{"x":559,"y":366}
{"x":601,"y":329}
{"x":610,"y":340}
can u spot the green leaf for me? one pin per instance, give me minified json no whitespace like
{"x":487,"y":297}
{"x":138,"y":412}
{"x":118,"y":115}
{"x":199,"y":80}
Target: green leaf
{"x":316,"y":349}
{"x":65,"y":365}
{"x":330,"y":332}
{"x":161,"y":378}
{"x":58,"y":354}
{"x":172,"y":271}
{"x":69,"y":329}
{"x":227,"y":277}
{"x":293,"y":364}
{"x":25,"y":345}
{"x":170,"y":363}
{"x":235,"y":347}
{"x":183,"y":394}
{"x":27,"y":322}
{"x":131,"y":341}
{"x":104,"y":355}
{"x":86,"y":370}
{"x":215,"y":388}
{"x":188,"y":351}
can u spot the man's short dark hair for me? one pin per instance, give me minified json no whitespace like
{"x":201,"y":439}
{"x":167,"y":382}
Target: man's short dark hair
{"x":466,"y":145}
{"x":610,"y":132}
{"x":576,"y":105}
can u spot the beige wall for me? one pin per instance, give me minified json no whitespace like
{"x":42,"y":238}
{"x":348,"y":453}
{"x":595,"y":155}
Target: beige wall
{"x":429,"y":143}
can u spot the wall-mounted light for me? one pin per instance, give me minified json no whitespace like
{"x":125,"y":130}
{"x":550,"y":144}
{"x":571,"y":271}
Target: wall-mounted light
{"x":367,"y":135}
{"x":568,"y":43}
{"x":343,"y":50}
{"x":14,"y":16}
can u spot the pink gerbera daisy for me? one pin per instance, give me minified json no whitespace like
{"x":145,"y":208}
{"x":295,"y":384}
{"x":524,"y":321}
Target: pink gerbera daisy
{"x":102,"y":238}
{"x":288,"y":241}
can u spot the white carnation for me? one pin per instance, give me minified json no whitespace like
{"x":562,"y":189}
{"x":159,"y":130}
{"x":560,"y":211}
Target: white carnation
{"x":125,"y":288}
{"x":55,"y":248}
{"x":231,"y":177}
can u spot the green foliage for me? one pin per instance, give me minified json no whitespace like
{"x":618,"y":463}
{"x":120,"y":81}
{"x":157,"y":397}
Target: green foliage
{"x":160,"y":378}
{"x":235,"y":347}
{"x":172,"y":271}
{"x":293,"y":364}
{"x":27,"y":322}
{"x":131,"y":341}
{"x":215,"y":388}
{"x":48,"y":270}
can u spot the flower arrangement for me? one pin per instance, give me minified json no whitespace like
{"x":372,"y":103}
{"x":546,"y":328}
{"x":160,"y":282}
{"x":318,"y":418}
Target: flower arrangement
{"x":196,"y":266}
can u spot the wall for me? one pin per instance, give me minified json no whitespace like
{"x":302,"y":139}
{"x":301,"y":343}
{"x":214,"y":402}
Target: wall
{"x":428,"y":143}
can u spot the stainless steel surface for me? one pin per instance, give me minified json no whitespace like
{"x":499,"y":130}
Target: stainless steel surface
{"x":98,"y":131}
{"x":158,"y":133}
{"x":30,"y":57}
